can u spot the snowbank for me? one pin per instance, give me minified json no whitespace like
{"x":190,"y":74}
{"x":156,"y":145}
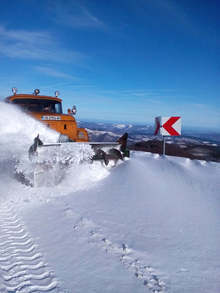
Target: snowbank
{"x":152,"y":224}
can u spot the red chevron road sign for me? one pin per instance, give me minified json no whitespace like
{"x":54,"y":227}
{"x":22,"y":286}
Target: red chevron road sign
{"x":168,"y":126}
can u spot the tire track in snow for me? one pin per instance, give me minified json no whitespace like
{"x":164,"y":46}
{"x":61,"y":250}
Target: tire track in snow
{"x":128,"y":257}
{"x":22,"y":268}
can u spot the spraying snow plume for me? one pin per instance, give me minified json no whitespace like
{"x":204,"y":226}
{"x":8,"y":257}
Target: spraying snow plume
{"x":17,"y":131}
{"x":52,"y":165}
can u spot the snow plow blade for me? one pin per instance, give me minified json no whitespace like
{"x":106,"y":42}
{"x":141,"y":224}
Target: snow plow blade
{"x":103,"y":151}
{"x":49,"y":164}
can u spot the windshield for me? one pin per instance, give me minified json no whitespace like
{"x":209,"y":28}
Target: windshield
{"x":35,"y":105}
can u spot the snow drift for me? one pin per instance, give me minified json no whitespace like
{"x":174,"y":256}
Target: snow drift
{"x":152,"y":224}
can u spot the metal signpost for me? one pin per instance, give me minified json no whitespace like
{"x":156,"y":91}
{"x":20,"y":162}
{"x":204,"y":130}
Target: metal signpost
{"x":167,"y":126}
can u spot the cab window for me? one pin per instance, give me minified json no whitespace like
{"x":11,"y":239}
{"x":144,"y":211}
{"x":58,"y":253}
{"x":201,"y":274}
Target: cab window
{"x":35,"y":105}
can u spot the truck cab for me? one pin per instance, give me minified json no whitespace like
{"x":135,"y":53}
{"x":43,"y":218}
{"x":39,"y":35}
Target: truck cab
{"x":48,"y":110}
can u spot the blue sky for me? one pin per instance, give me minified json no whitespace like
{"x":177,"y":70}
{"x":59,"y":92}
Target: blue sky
{"x":116,"y":60}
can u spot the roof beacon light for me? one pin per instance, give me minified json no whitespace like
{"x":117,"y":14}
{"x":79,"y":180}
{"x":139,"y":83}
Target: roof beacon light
{"x":14,"y":90}
{"x":57,"y":93}
{"x":36,"y":92}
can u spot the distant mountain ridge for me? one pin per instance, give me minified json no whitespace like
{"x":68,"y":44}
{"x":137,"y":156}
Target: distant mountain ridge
{"x":141,"y":132}
{"x":118,"y":128}
{"x":141,"y":137}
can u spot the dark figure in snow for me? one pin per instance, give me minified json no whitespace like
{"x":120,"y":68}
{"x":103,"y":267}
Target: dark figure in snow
{"x":100,"y":155}
{"x":114,"y":155}
{"x":111,"y":155}
{"x":33,"y":148}
{"x":123,"y":142}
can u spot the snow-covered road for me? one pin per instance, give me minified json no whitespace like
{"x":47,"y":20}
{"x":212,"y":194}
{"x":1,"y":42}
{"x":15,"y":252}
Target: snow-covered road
{"x":152,"y":224}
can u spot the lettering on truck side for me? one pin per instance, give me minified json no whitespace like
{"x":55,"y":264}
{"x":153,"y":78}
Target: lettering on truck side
{"x":51,"y":118}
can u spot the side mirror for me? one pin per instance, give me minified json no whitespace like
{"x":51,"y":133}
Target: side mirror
{"x":72,"y":111}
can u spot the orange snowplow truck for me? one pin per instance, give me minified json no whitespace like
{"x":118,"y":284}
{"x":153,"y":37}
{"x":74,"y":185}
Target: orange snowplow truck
{"x":48,"y":110}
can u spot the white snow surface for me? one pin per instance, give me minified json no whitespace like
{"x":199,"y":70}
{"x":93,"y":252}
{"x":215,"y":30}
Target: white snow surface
{"x":150,"y":224}
{"x":120,"y":126}
{"x":99,"y":132}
